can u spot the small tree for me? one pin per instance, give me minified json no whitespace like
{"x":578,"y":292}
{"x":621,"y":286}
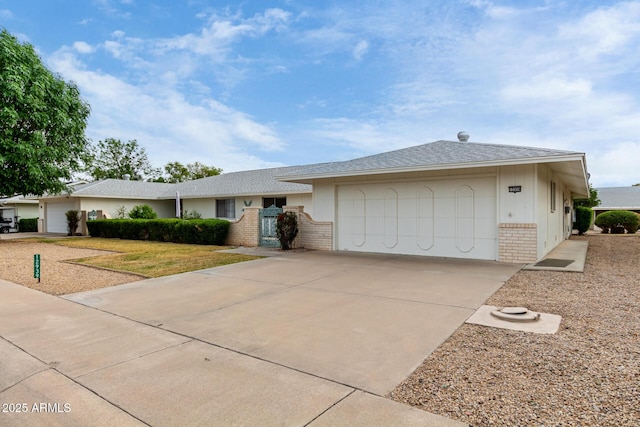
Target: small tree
{"x":73,"y":220}
{"x":286,"y":229}
{"x":142,"y":212}
{"x":584,"y":216}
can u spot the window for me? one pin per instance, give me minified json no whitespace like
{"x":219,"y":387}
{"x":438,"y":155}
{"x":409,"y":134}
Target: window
{"x":267,"y":202}
{"x":552,"y":201}
{"x":226,"y":208}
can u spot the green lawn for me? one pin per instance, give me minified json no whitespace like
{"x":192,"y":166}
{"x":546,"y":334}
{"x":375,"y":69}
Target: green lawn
{"x":151,"y":259}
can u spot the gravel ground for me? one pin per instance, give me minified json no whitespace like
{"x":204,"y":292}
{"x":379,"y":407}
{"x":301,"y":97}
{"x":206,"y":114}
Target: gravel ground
{"x":57,"y":277}
{"x":587,"y":374}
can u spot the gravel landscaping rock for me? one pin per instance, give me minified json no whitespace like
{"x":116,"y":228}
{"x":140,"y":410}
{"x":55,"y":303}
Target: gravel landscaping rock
{"x":57,"y":276}
{"x":587,"y":374}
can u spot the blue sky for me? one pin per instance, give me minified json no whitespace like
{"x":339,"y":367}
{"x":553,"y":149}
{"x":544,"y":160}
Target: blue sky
{"x":246,"y":85}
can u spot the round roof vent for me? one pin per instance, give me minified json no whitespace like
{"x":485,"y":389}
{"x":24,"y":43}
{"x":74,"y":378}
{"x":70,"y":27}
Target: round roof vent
{"x":463,"y":136}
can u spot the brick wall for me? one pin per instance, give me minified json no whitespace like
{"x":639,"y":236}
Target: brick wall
{"x":312,"y":234}
{"x":517,"y":243}
{"x":244,"y":231}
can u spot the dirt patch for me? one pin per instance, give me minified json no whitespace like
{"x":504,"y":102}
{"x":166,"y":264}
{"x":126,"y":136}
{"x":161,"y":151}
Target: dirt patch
{"x":587,"y":374}
{"x":57,"y":276}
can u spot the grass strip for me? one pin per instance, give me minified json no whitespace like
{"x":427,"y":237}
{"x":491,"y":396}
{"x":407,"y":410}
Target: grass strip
{"x":151,"y":259}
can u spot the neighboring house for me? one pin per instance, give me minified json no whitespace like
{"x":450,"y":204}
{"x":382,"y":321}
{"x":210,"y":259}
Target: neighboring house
{"x":450,"y":199}
{"x":446,"y":198}
{"x":24,"y":207}
{"x":222,"y":196}
{"x":108,"y":195}
{"x":618,"y":198}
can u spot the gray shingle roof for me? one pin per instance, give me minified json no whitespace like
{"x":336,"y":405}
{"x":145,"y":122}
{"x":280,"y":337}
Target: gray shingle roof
{"x":118,"y":188}
{"x":619,"y":198}
{"x":254,"y":182}
{"x":431,"y":155}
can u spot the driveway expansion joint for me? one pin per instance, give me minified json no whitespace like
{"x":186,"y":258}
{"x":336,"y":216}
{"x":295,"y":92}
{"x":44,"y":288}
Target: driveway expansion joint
{"x":331,"y":407}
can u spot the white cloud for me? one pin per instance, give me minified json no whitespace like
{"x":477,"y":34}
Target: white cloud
{"x":83,"y":47}
{"x":165,"y":123}
{"x":216,"y":39}
{"x":6,"y":14}
{"x":605,"y":31}
{"x":613,"y":164}
{"x":547,"y":88}
{"x":360,"y":50}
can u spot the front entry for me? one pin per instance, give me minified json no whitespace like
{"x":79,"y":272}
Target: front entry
{"x":268,"y":217}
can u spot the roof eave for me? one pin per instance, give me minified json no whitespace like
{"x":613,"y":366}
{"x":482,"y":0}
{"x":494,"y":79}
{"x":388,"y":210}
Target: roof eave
{"x":308,"y":178}
{"x":229,"y":195}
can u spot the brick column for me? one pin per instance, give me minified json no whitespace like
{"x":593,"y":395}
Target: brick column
{"x":517,"y":243}
{"x":251,"y":227}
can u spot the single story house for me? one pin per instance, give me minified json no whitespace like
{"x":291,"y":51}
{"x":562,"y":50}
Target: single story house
{"x":24,"y":207}
{"x":446,"y":198}
{"x":618,"y":198}
{"x":223,"y":196}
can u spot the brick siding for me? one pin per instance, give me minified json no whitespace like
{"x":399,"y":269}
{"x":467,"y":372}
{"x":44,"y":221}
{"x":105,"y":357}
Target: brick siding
{"x":517,"y":243}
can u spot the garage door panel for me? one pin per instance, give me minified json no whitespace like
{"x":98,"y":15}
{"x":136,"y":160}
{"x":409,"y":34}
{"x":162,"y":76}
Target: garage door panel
{"x":56,"y":218}
{"x":455,"y":218}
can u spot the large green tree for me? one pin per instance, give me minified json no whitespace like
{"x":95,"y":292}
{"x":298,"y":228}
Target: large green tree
{"x":113,"y":158}
{"x":42,"y":123}
{"x":177,"y":172}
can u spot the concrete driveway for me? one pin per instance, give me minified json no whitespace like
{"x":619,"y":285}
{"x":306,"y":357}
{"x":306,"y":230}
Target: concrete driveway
{"x":311,"y":338}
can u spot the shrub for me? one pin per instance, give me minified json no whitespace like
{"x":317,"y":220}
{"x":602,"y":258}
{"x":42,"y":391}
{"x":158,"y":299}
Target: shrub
{"x":73,"y":220}
{"x":27,"y":225}
{"x":196,"y":231}
{"x":286,"y":229}
{"x":584,"y":216}
{"x":142,"y":212}
{"x":617,"y":222}
{"x":121,"y":212}
{"x":191,"y":215}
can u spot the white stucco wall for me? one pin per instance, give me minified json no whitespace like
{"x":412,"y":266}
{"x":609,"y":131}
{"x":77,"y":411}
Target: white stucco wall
{"x":164,"y":208}
{"x":324,"y":200}
{"x":207,"y":207}
{"x":517,"y":207}
{"x":25,"y":210}
{"x":551,"y":225}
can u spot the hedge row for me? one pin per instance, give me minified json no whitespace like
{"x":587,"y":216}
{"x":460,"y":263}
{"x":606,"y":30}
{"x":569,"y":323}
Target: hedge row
{"x":28,"y":225}
{"x":616,"y":222}
{"x":196,"y":231}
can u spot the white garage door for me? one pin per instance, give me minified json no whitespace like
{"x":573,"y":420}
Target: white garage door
{"x":56,"y":218}
{"x":448,"y":218}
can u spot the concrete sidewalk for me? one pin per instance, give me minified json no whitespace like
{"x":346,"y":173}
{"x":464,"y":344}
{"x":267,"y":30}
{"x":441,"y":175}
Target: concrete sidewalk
{"x":311,"y":338}
{"x":571,"y":254}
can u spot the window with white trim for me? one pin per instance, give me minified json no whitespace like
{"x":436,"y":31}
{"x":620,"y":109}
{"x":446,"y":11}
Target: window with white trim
{"x":552,"y":193}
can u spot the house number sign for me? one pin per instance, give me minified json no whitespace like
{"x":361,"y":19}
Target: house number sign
{"x":515,"y":188}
